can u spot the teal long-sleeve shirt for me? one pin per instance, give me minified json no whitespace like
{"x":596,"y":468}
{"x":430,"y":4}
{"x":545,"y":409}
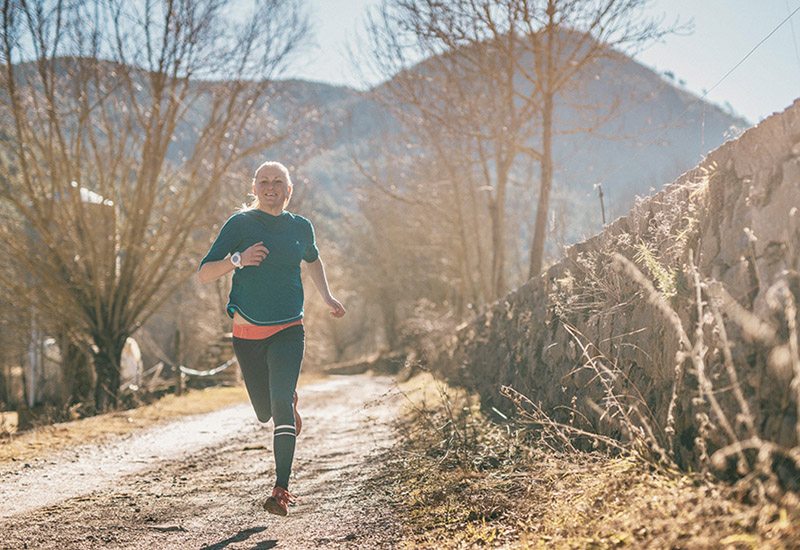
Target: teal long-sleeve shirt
{"x":272,"y":292}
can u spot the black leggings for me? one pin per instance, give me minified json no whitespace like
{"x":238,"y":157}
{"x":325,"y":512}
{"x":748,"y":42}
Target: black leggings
{"x":270,"y":368}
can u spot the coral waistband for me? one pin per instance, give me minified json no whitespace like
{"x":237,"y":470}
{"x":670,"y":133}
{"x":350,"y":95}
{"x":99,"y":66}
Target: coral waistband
{"x":257,"y":332}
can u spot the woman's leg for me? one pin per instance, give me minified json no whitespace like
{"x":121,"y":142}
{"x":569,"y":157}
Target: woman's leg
{"x":284,"y":357}
{"x":252,"y":357}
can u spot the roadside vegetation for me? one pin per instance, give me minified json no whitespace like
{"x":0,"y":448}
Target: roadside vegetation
{"x":462,"y":479}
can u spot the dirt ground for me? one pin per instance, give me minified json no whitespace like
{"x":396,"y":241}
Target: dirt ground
{"x":378,"y":465}
{"x":198,"y":481}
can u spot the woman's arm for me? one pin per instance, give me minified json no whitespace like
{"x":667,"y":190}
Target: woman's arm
{"x":211,"y":271}
{"x":316,"y":270}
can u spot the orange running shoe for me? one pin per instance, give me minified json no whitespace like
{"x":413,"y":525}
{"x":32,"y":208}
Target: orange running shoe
{"x":279,"y":502}
{"x":298,"y":422}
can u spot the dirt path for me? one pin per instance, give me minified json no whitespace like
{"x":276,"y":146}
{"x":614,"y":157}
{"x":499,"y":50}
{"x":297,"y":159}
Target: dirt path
{"x":198,"y":482}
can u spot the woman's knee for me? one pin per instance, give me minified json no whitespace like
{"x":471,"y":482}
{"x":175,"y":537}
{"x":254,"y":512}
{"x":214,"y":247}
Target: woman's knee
{"x":263,"y":417}
{"x":283,"y":410}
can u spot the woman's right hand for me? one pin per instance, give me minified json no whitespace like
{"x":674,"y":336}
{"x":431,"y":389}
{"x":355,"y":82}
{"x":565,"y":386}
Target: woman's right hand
{"x":254,"y":255}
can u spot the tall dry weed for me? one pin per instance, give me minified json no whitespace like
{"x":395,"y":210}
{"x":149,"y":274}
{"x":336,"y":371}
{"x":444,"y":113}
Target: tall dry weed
{"x":729,"y":438}
{"x":736,"y":437}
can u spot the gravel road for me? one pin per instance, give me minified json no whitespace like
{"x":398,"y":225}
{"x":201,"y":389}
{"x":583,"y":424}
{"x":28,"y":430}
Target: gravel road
{"x":198,"y":482}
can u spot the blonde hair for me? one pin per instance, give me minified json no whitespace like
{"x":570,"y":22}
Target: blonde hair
{"x":278,"y":166}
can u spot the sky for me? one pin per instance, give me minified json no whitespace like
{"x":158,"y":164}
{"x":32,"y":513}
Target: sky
{"x":724,"y":32}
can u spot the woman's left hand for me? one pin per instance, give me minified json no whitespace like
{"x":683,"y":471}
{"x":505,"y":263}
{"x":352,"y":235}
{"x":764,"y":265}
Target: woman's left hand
{"x":337,"y":309}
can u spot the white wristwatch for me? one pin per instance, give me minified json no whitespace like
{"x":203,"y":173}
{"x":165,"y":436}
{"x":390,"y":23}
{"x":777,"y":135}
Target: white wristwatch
{"x":236,"y":260}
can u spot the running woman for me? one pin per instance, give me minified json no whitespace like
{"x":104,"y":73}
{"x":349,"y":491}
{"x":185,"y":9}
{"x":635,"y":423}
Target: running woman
{"x":264,"y":244}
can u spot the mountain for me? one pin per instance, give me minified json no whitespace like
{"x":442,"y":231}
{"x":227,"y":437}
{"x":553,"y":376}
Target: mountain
{"x":656,"y":132}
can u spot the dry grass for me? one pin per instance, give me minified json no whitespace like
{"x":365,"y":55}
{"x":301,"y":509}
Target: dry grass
{"x":461,"y":481}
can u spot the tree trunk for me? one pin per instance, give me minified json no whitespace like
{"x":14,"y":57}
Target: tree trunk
{"x":548,"y":93}
{"x":4,"y":384}
{"x":497,"y":212}
{"x":543,"y":206}
{"x":483,"y":278}
{"x":106,"y":367}
{"x":387,"y":306}
{"x":178,"y":363}
{"x":77,"y":372}
{"x":499,"y":264}
{"x":468,"y":290}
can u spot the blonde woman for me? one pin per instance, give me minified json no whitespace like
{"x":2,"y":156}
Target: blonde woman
{"x":264,"y":246}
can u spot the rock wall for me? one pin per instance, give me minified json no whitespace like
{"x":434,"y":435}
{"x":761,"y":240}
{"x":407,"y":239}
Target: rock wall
{"x":735,"y":217}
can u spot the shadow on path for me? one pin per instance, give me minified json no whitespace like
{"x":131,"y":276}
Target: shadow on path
{"x":242,"y":536}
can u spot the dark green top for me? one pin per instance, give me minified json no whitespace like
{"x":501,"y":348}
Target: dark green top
{"x":272,"y":292}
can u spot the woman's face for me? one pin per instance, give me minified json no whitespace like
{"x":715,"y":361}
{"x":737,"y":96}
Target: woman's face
{"x":271,"y":187}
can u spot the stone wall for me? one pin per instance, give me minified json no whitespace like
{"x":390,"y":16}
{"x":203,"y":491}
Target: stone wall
{"x":735,"y":217}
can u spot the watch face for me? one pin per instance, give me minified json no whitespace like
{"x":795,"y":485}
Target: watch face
{"x":236,"y":259}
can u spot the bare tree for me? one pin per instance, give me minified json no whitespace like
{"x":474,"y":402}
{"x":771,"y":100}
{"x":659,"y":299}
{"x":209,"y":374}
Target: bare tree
{"x":452,"y":80}
{"x":563,"y":38}
{"x":122,"y":120}
{"x":489,"y":75}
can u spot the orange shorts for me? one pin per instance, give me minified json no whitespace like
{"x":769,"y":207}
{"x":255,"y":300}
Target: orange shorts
{"x":258,"y":332}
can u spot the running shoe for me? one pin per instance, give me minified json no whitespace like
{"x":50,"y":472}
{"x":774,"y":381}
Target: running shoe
{"x":298,"y":422}
{"x":279,"y":502}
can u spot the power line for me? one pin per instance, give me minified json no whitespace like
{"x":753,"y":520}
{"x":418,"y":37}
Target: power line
{"x":753,"y":49}
{"x":669,"y":123}
{"x":730,"y":71}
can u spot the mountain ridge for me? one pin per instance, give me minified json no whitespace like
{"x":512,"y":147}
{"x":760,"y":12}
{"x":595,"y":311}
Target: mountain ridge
{"x":675,"y":128}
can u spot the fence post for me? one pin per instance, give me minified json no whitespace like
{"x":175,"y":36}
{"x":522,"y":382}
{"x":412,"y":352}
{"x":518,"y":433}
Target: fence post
{"x":602,"y":202}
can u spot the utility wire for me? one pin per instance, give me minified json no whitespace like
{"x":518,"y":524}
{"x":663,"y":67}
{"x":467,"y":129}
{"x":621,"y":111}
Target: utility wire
{"x":730,"y":71}
{"x":754,"y":48}
{"x":717,"y":83}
